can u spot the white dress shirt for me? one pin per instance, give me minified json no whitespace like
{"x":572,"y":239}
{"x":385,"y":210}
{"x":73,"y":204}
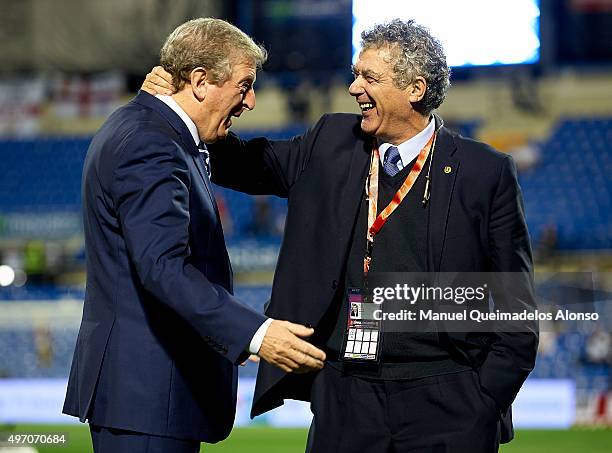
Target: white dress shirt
{"x":411,"y":148}
{"x":255,"y":343}
{"x":170,"y":102}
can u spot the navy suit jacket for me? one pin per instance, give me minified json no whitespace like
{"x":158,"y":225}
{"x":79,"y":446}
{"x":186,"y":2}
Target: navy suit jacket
{"x":161,"y":332}
{"x":476,"y":224}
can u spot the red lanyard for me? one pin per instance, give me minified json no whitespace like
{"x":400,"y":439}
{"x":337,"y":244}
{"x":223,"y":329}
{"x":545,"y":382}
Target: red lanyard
{"x":375,"y":223}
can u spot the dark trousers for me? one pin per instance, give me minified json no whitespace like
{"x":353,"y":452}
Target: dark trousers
{"x":110,"y":440}
{"x":438,"y":414}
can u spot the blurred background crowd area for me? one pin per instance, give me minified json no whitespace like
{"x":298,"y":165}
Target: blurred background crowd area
{"x":545,"y":97}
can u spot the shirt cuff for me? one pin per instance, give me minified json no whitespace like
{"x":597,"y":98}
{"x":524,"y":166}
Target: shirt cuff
{"x":255,"y":343}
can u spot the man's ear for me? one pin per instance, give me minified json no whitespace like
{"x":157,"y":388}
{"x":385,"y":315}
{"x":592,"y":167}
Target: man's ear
{"x":199,"y":78}
{"x":417,"y":89}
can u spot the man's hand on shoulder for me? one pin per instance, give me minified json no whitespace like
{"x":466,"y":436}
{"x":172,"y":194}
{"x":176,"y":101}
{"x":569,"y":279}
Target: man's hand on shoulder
{"x":284,"y":347}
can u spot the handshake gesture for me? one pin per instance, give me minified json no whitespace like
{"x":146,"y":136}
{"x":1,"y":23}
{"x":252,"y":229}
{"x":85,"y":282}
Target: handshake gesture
{"x":284,"y":347}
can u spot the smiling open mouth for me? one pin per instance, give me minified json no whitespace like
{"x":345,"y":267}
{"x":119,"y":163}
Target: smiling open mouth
{"x":365,"y":106}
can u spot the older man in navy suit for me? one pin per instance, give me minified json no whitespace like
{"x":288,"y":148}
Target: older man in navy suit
{"x":154,"y":368}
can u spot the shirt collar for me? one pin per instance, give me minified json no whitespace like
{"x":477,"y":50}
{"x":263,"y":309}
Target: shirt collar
{"x":411,"y":148}
{"x":170,"y":102}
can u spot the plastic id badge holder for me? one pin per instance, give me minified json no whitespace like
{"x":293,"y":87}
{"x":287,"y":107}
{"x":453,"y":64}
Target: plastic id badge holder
{"x":363,"y":332}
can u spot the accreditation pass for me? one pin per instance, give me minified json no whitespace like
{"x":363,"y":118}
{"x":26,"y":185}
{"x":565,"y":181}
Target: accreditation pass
{"x":363,"y":332}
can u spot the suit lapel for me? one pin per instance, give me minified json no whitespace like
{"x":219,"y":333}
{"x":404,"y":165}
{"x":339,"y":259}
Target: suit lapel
{"x":354,"y":189}
{"x":444,"y":169}
{"x":204,"y":175}
{"x":182,"y":130}
{"x":171,"y":117}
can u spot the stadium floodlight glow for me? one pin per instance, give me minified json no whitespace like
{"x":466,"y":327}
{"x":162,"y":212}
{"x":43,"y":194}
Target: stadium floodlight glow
{"x":472,"y":32}
{"x":7,"y":275}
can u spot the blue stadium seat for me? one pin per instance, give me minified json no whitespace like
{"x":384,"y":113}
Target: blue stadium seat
{"x":570,"y":188}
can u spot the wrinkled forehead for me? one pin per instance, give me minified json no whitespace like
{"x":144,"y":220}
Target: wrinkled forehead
{"x":375,"y":58}
{"x":243,"y":67}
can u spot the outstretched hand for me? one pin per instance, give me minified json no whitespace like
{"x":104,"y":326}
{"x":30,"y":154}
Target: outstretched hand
{"x":284,"y":347}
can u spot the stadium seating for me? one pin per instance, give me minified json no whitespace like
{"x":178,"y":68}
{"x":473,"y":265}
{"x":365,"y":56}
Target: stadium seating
{"x":41,"y":175}
{"x":569,"y":189}
{"x":20,"y":355}
{"x":23,"y":354}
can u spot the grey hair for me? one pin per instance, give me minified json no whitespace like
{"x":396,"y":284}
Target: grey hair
{"x":414,"y":52}
{"x":210,"y":43}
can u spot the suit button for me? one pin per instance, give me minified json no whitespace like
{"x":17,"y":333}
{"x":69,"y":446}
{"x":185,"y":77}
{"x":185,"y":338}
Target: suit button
{"x":335,"y":284}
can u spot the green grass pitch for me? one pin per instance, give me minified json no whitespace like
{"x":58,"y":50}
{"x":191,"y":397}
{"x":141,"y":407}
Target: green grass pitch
{"x":273,"y":440}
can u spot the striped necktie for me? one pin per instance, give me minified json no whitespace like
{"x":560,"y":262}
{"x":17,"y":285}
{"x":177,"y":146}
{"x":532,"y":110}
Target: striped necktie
{"x":392,"y":157}
{"x":205,"y":156}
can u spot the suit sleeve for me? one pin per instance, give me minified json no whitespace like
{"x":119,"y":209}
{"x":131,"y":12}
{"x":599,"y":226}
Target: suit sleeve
{"x":512,"y":352}
{"x":151,"y":192}
{"x":261,"y":166}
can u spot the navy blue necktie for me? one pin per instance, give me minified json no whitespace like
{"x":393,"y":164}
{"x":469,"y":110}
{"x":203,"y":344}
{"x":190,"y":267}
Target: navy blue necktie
{"x":205,"y":157}
{"x":392,"y":157}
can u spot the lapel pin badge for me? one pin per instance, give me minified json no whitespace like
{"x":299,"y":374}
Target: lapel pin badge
{"x":447,"y":169}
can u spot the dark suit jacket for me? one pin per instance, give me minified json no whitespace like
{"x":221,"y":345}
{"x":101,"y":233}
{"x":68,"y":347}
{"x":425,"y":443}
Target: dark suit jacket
{"x":161,"y":332}
{"x":476,"y":224}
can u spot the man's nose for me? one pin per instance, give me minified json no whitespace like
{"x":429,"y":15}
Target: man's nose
{"x":249,"y":100}
{"x":355,"y":88}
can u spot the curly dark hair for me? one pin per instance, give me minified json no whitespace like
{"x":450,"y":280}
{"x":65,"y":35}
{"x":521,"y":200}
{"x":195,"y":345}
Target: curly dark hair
{"x":414,"y":52}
